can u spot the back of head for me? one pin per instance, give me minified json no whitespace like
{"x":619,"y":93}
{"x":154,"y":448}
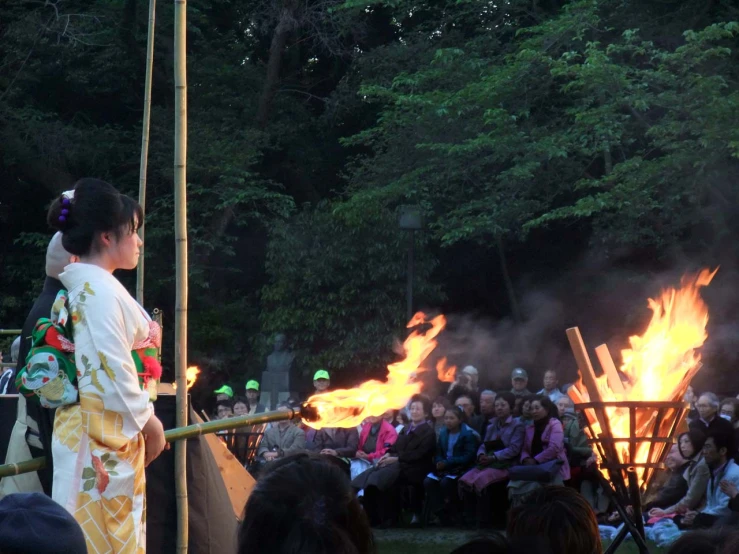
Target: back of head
{"x":721,"y":541}
{"x":498,"y":544}
{"x":94,"y":207}
{"x":304,"y":504}
{"x":562,"y":516}
{"x":32,"y":523}
{"x":57,"y":257}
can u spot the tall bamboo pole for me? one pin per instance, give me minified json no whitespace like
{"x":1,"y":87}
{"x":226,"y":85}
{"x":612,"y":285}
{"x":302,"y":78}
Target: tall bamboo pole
{"x":145,"y":141}
{"x":180,"y":192}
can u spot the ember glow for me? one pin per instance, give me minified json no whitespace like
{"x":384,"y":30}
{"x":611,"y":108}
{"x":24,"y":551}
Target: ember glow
{"x":659,"y":366}
{"x":350,"y":407}
{"x":191,"y":375}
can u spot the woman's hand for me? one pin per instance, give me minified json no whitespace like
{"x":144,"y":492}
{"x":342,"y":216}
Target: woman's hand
{"x":329,"y":452}
{"x":657,"y":512}
{"x":362,"y":455}
{"x":386,"y":461}
{"x":154,"y":439}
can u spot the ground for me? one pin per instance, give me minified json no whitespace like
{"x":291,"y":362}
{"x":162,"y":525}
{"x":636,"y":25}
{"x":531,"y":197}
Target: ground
{"x":443,"y":541}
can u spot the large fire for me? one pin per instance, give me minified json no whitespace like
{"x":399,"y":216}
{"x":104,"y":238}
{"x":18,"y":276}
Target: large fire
{"x":659,"y":365}
{"x":350,"y":407}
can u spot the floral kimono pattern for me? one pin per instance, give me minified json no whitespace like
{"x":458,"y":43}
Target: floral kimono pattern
{"x":97,"y":445}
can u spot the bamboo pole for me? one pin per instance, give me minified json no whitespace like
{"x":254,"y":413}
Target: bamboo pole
{"x":180,"y":196}
{"x":145,"y":142}
{"x":11,"y":331}
{"x":177,"y":434}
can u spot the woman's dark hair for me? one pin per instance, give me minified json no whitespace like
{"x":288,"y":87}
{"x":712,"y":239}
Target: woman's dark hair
{"x":509,"y":397}
{"x":424,"y":400}
{"x":444,"y":401}
{"x":559,"y":514}
{"x":696,"y":438}
{"x":495,"y":543}
{"x":240,"y":399}
{"x":97,"y":207}
{"x":403,"y":415}
{"x":549,"y":407}
{"x":458,"y":412}
{"x":720,"y":541}
{"x":227,"y":403}
{"x":304,"y":504}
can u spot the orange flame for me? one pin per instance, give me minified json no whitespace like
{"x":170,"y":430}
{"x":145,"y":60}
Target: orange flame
{"x":659,"y":366}
{"x":350,"y":407}
{"x":445,"y":373}
{"x":191,"y":375}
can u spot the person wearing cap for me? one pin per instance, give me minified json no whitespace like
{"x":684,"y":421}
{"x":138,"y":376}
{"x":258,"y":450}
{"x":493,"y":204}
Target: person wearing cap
{"x":520,"y":380}
{"x":321,"y":381}
{"x":551,"y":387}
{"x":225,"y":393}
{"x":252,"y":397}
{"x":32,"y":523}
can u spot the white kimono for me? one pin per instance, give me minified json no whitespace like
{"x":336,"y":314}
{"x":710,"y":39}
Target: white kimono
{"x":97,"y":445}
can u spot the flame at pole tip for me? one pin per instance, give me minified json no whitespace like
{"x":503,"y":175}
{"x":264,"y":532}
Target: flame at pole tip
{"x":350,"y":407}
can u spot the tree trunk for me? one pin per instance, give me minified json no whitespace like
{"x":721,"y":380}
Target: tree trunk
{"x":508,"y":283}
{"x":180,"y":196}
{"x":145,"y":143}
{"x":276,"y":51}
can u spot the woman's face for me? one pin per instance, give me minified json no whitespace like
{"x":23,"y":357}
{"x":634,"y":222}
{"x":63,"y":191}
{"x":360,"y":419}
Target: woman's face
{"x":124,"y":249}
{"x":526,"y":408}
{"x":240,"y":409}
{"x":537,"y":411}
{"x":502,"y":408}
{"x":416,"y":412}
{"x":438,"y":410}
{"x":686,"y":447}
{"x":452,"y":421}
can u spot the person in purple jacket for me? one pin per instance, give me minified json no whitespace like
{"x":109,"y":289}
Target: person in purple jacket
{"x":543,"y":442}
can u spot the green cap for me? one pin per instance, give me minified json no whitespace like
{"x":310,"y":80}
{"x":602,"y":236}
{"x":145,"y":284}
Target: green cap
{"x":225,"y":389}
{"x":252,"y":385}
{"x":321,"y":374}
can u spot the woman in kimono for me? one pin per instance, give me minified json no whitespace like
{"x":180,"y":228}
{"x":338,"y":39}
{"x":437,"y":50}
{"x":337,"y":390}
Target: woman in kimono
{"x":102,"y":444}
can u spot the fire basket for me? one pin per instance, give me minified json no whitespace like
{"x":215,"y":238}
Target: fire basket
{"x":631,"y":438}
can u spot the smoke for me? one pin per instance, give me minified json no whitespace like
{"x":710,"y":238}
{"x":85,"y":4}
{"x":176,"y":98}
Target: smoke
{"x":608,"y":305}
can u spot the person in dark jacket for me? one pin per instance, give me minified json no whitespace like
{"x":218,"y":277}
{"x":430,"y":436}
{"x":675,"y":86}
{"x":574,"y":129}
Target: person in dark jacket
{"x":455,"y":453}
{"x":340,"y":444}
{"x":406,"y":463}
{"x":40,"y":421}
{"x":709,"y":419}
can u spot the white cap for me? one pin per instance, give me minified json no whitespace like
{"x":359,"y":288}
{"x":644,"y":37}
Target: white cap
{"x":470,"y":370}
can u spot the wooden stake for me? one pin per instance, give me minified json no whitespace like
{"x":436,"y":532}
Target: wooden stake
{"x":145,"y":142}
{"x":583,"y":363}
{"x":609,"y":368}
{"x":180,"y":203}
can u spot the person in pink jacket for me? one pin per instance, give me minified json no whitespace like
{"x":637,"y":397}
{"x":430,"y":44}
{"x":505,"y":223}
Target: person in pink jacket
{"x":543,"y":442}
{"x":376,"y":437}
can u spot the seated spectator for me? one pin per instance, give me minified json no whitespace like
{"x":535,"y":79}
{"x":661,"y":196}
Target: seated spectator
{"x":376,"y":437}
{"x":438,"y":409}
{"x":709,"y":419}
{"x":718,"y":452}
{"x":551,"y":387}
{"x":695,"y":472}
{"x":224,"y":409}
{"x":487,"y":412}
{"x":500,"y":449}
{"x":401,"y":421}
{"x":720,"y":541}
{"x":240,"y":406}
{"x":690,"y":398}
{"x":524,"y":408}
{"x":672,"y":486}
{"x":519,"y":382}
{"x":465,"y":402}
{"x":337,"y":442}
{"x":543,"y":442}
{"x":729,"y":410}
{"x":224,"y":394}
{"x":576,"y":443}
{"x":32,"y":523}
{"x":281,"y":440}
{"x":304,"y":504}
{"x":406,"y":463}
{"x":252,"y":397}
{"x":455,"y":452}
{"x":559,"y":515}
{"x":496,"y":543}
